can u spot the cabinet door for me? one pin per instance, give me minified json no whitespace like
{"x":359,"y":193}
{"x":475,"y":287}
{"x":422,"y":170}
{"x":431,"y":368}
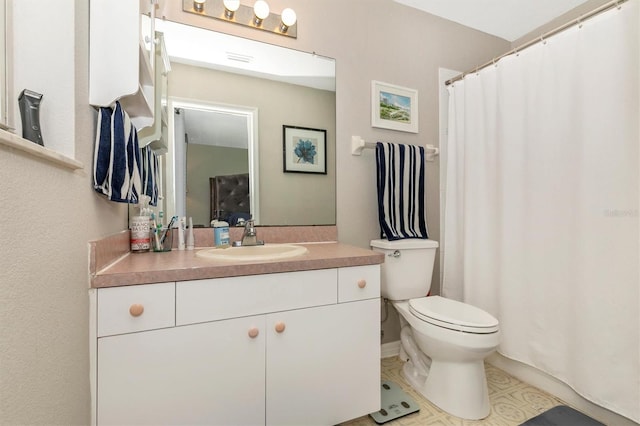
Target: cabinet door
{"x":324,"y":367}
{"x":210,"y":373}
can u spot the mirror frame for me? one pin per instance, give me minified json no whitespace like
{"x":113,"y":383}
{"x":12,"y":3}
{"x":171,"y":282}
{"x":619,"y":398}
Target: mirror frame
{"x":176,"y":170}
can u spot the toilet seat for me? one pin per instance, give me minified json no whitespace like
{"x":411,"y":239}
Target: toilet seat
{"x":453,"y":315}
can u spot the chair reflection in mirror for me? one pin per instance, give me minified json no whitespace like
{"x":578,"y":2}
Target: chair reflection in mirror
{"x":230,"y":200}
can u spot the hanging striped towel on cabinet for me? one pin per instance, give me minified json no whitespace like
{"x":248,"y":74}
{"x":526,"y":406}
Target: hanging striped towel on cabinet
{"x":150,"y":172}
{"x":102,"y":153}
{"x":116,"y":157}
{"x":400,"y":172}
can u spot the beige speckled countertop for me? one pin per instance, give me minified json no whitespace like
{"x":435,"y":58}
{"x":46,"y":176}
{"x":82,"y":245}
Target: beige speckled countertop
{"x":145,"y":268}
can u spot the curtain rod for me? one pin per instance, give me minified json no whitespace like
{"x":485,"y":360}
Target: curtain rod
{"x":577,"y":21}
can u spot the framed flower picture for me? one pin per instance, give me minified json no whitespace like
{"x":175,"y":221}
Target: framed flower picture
{"x":304,"y":150}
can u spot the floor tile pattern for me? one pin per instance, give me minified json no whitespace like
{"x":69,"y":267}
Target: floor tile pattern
{"x":512,"y":401}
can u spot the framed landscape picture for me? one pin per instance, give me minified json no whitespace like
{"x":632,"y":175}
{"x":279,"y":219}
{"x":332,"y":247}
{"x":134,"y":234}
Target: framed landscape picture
{"x":394,"y":107}
{"x":304,"y":150}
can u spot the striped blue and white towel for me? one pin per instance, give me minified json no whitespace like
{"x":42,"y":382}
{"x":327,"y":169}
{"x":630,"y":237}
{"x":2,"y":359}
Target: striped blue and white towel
{"x":401,"y":191}
{"x":102,"y":153}
{"x":116,"y":157}
{"x":150,"y":175}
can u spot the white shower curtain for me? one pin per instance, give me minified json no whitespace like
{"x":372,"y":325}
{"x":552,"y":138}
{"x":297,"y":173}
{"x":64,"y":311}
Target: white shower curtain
{"x":542,"y":205}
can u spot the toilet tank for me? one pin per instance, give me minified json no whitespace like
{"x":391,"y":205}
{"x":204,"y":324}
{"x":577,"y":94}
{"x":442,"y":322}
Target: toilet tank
{"x":407,"y":268}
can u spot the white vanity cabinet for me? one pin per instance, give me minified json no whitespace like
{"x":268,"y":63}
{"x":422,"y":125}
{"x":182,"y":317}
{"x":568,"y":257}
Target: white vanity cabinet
{"x":295,"y":348}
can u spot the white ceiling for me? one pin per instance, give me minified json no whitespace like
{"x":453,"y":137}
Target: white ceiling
{"x":218,"y":128}
{"x":507,"y":19}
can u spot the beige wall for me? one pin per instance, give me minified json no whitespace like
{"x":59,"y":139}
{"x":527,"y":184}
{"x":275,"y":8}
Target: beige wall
{"x":285,"y":198}
{"x":49,"y":213}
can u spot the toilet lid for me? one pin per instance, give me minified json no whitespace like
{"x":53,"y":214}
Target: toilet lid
{"x":453,"y":315}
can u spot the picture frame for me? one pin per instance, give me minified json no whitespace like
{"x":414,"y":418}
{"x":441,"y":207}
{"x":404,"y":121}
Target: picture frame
{"x":394,"y":107}
{"x":304,"y":150}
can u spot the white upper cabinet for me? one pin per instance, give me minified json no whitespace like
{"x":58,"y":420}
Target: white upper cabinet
{"x":120,"y":67}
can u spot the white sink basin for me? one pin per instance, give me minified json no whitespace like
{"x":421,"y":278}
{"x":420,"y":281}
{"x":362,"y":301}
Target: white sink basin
{"x":264,"y":252}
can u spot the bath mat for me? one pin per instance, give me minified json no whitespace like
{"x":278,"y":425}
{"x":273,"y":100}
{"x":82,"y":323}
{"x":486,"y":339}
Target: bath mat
{"x":395,"y":404}
{"x":562,"y":416}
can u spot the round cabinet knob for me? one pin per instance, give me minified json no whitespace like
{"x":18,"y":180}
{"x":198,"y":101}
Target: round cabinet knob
{"x":280,"y":327}
{"x":362,"y":283}
{"x":136,"y":310}
{"x":253,"y":332}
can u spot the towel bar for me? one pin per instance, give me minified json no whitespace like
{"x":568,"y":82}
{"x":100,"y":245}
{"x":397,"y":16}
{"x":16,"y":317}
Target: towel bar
{"x":358,"y":144}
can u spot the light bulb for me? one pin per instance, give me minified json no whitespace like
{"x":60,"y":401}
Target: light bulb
{"x":198,"y":5}
{"x":289,"y":17}
{"x":261,"y":10}
{"x":231,"y":5}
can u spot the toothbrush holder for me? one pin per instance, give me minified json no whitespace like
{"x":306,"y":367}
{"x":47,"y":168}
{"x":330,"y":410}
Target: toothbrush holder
{"x":161,"y":239}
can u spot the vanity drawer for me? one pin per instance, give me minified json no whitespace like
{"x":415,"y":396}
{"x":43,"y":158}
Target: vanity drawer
{"x":223,"y":298}
{"x":135,"y":308}
{"x":358,"y":283}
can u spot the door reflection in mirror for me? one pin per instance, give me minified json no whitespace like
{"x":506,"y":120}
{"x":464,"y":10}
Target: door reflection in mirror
{"x":213,"y":140}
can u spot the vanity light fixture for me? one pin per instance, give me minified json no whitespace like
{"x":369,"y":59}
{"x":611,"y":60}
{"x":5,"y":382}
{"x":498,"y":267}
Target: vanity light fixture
{"x":198,"y":5}
{"x":257,"y":16}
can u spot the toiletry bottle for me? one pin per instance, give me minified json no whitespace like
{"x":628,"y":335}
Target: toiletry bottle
{"x":140,"y":241}
{"x":220,"y":233}
{"x":155,"y":235}
{"x":181,"y":229}
{"x":190,"y":242}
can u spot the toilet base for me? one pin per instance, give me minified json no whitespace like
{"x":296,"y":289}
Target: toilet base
{"x":454,"y":378}
{"x":459,"y":389}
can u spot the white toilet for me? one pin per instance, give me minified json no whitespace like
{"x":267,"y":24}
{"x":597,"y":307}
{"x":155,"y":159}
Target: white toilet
{"x":445,"y":341}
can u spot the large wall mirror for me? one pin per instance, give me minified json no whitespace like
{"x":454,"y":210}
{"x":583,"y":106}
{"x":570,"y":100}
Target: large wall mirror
{"x":228,"y":101}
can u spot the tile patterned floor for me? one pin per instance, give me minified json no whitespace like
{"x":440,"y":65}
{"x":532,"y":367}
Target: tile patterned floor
{"x":512,"y":401}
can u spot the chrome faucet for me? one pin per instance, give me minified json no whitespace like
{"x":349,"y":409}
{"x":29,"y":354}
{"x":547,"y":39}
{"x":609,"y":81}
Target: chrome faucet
{"x":250,"y":236}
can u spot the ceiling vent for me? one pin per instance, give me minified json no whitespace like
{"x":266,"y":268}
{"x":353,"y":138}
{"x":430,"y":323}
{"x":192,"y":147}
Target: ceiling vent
{"x":239,"y":57}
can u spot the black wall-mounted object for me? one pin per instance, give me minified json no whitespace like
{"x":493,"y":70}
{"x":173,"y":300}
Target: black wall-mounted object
{"x":29,"y":102}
